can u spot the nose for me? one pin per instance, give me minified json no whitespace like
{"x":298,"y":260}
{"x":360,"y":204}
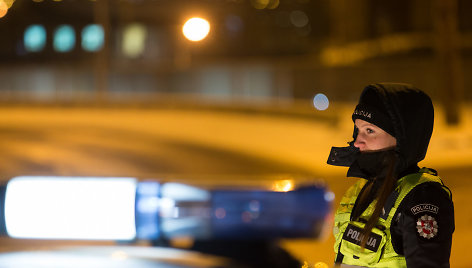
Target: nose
{"x":360,"y":142}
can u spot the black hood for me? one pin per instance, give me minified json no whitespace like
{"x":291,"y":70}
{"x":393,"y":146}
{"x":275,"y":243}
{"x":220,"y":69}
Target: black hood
{"x":412,"y":116}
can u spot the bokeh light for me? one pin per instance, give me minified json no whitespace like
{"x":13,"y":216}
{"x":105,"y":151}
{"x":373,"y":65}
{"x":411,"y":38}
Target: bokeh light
{"x":273,"y":4}
{"x":196,"y":29}
{"x":71,"y":208}
{"x":234,"y":23}
{"x":262,"y":4}
{"x":299,"y":18}
{"x":93,"y":37}
{"x":321,"y":102}
{"x":3,"y":8}
{"x":134,"y":40}
{"x":283,"y":185}
{"x":64,"y":38}
{"x":321,"y":265}
{"x":8,"y":2}
{"x":35,"y":38}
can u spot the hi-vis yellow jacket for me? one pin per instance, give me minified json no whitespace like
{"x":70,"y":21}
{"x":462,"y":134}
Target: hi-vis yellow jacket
{"x":378,"y":251}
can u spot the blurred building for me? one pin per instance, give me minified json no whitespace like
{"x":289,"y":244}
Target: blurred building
{"x":257,"y":50}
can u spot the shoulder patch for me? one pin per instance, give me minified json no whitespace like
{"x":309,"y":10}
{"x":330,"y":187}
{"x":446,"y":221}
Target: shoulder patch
{"x":427,"y":226}
{"x":424,"y":208}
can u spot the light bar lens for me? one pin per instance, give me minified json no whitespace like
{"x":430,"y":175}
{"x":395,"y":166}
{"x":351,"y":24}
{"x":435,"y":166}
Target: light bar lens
{"x":71,"y":208}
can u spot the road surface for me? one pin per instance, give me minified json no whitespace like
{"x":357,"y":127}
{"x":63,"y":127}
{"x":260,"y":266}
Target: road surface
{"x":192,"y":145}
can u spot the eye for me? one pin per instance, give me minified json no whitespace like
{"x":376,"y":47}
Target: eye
{"x":369,"y":130}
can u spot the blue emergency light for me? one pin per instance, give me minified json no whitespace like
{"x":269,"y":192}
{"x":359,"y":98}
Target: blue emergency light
{"x":126,"y":209}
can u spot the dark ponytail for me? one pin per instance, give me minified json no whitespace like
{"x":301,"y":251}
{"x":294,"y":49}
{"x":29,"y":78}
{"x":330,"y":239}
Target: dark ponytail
{"x":382,"y":194}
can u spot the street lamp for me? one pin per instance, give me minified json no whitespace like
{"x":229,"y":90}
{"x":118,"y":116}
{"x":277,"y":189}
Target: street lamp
{"x":196,"y":29}
{"x":4,"y":6}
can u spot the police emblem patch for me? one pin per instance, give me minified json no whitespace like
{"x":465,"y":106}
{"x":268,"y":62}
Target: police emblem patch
{"x":427,"y":226}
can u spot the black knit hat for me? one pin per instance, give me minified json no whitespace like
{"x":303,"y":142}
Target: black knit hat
{"x":371,"y":108}
{"x":401,"y":110}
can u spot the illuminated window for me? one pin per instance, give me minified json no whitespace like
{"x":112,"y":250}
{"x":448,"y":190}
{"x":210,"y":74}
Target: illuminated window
{"x":64,"y":38}
{"x":35,"y":38}
{"x":93,"y":37}
{"x":134,"y":40}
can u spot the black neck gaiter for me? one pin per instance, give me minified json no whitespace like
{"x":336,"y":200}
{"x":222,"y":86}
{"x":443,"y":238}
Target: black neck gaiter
{"x":367,"y":165}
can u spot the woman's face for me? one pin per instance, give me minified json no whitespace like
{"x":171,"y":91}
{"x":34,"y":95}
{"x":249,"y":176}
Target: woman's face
{"x":372,"y":138}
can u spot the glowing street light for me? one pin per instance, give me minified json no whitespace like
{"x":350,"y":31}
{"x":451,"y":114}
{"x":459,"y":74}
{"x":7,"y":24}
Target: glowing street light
{"x":196,"y":29}
{"x":4,"y":6}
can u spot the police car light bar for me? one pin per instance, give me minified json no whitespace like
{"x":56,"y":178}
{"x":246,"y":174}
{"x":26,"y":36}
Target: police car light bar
{"x":122,"y":209}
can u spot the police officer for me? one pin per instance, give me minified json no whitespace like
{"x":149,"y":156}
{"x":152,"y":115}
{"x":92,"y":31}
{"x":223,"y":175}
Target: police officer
{"x":396,"y":214}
